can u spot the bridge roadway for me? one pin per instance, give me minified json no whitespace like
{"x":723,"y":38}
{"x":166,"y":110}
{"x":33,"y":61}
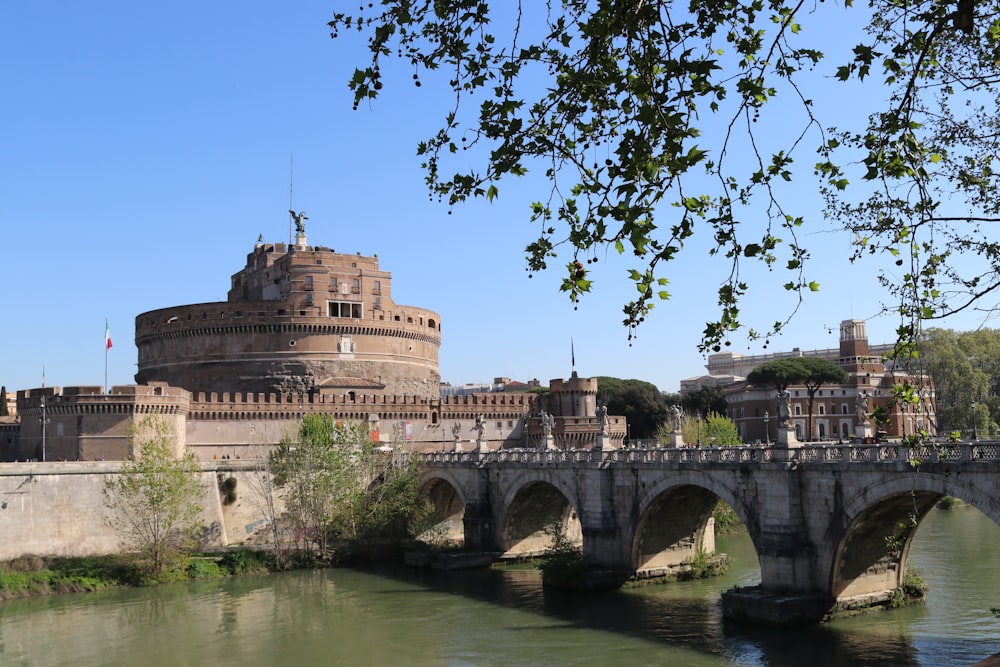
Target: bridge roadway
{"x":831,"y":524}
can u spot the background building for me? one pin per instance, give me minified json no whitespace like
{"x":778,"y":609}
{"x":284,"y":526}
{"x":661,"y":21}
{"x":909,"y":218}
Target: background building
{"x":835,"y":407}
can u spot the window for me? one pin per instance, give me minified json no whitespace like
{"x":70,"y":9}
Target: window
{"x":309,"y":298}
{"x":309,"y":282}
{"x":798,"y":409}
{"x":333,"y":283}
{"x":378,"y":303}
{"x":822,"y":409}
{"x":350,"y":309}
{"x":356,"y":286}
{"x":377,"y":287}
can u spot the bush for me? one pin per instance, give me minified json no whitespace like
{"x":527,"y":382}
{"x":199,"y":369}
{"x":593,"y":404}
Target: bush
{"x":247,"y":562}
{"x":727,"y":522}
{"x":204,"y":568}
{"x":949,"y":503}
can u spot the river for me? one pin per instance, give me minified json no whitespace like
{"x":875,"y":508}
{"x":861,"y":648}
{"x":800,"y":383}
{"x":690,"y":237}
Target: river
{"x":503,"y":618}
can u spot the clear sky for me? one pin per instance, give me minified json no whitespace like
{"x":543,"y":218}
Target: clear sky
{"x":144,"y":147}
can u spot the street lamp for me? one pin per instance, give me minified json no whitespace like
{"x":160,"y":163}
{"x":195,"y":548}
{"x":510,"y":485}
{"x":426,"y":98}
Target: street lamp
{"x":43,"y":421}
{"x":975,"y":426}
{"x":767,"y":431}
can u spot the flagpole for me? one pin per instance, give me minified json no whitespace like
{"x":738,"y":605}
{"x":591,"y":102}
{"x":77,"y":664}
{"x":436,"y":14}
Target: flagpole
{"x":107,"y":346}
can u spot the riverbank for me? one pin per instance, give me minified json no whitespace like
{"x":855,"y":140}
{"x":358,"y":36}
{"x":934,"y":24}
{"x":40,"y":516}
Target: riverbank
{"x":35,"y":576}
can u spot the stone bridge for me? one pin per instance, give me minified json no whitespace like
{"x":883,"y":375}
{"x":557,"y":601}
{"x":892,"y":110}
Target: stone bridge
{"x":831,"y":524}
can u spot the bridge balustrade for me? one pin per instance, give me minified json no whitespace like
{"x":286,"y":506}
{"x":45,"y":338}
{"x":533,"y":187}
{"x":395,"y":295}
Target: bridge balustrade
{"x":861,"y":453}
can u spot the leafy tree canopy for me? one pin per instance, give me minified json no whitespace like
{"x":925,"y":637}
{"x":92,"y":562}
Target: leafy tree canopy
{"x":646,"y":118}
{"x":965,"y":367}
{"x":703,"y":400}
{"x":640,"y":402}
{"x":720,"y":430}
{"x":339,"y":484}
{"x":817,"y":372}
{"x":712,"y":429}
{"x":778,"y":374}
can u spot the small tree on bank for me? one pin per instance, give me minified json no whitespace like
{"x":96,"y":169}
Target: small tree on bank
{"x":338,"y":484}
{"x":155,"y":503}
{"x":712,"y":429}
{"x":263,"y":494}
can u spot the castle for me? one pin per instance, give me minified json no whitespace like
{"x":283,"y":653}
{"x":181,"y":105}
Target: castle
{"x":304,"y":330}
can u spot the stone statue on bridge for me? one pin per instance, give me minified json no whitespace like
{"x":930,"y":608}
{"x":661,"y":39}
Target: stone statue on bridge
{"x":861,"y":408}
{"x":784,"y":410}
{"x":546,"y":424}
{"x":678,"y":416}
{"x":480,"y":428}
{"x":602,"y":419}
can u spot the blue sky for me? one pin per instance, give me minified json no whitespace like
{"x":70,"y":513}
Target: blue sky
{"x":145,"y":147}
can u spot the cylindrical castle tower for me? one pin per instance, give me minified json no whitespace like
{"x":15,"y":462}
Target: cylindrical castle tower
{"x":576,"y":397}
{"x":302,"y":319}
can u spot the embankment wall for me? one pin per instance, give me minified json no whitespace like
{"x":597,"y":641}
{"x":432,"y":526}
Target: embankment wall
{"x":57,"y":509}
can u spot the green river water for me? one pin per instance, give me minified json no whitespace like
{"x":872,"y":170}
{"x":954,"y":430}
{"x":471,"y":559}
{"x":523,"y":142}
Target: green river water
{"x":503,"y":618}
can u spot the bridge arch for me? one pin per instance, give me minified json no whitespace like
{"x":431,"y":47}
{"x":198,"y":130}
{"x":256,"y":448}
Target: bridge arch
{"x":532,"y":505}
{"x":441,"y":519}
{"x":672,"y":524}
{"x":865,"y":554}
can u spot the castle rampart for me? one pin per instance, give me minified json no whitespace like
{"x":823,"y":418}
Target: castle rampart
{"x":304,"y":330}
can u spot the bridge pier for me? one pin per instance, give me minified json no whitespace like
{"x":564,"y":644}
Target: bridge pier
{"x":478,"y":522}
{"x":831,"y":525}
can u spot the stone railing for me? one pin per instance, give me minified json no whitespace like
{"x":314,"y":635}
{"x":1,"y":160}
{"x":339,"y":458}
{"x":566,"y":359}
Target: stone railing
{"x":849,"y":453}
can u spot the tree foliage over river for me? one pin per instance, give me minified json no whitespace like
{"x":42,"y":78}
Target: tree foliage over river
{"x":664,"y":128}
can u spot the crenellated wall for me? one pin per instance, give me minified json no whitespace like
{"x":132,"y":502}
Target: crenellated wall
{"x":86,"y":424}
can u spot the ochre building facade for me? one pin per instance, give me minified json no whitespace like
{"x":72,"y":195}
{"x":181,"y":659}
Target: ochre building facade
{"x":839,"y":412}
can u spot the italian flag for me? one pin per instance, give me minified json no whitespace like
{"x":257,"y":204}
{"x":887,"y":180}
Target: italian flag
{"x":107,"y":336}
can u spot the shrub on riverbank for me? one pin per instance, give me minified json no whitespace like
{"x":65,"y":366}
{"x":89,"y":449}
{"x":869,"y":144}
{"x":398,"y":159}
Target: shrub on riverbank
{"x":29,"y":576}
{"x":912,"y":591}
{"x":34,"y":575}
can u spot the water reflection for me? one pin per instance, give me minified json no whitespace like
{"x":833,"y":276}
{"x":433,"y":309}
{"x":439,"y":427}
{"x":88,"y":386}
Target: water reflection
{"x":504,"y":618}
